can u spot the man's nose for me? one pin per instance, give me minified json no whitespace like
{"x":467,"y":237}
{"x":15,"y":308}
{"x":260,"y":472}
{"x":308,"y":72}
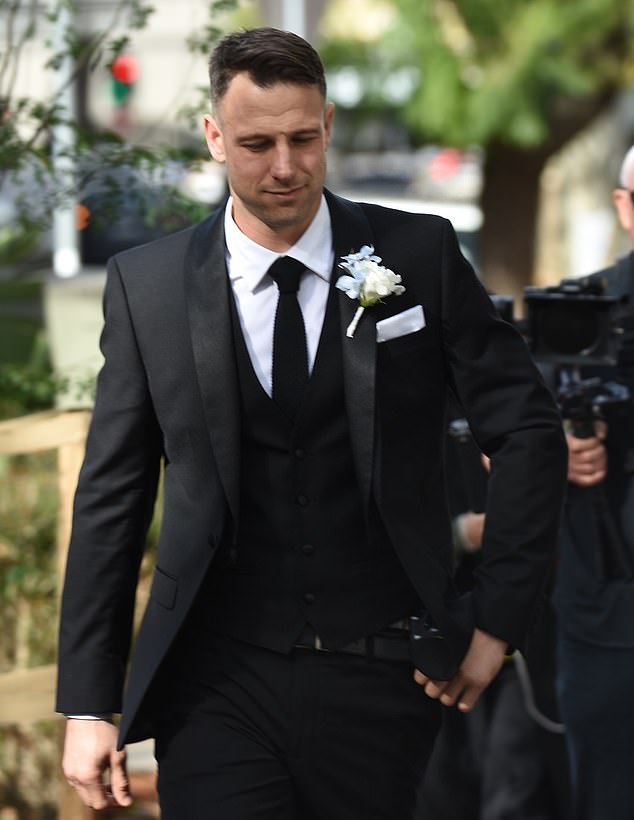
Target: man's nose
{"x":282,"y":167}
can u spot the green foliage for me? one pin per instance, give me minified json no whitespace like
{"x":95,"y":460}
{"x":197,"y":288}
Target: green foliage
{"x":26,"y":124}
{"x":28,"y":389}
{"x":27,"y":381}
{"x":28,"y":520}
{"x":23,"y":390}
{"x":29,"y":771}
{"x":500,"y":69}
{"x":18,"y":242}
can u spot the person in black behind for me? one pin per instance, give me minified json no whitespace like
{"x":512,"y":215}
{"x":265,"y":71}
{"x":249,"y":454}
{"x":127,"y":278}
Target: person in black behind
{"x":595,"y":603}
{"x":304,"y":517}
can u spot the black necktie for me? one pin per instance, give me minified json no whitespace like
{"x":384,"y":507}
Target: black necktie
{"x":290,"y":357}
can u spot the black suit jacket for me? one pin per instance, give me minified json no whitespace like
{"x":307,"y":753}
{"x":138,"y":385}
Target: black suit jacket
{"x":168,"y":389}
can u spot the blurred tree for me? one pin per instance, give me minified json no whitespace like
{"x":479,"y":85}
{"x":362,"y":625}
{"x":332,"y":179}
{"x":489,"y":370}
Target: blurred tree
{"x":517,"y":77}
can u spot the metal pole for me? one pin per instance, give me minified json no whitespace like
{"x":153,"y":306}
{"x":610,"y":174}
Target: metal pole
{"x":294,"y":16}
{"x":66,"y":262}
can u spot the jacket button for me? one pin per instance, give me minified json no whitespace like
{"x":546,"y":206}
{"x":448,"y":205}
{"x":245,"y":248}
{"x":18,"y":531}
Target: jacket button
{"x":302,"y":500}
{"x":299,"y":453}
{"x":308,"y":549}
{"x":309,"y":598}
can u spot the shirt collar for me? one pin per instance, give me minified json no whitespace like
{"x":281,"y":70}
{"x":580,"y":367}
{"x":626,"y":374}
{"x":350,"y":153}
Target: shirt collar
{"x":249,"y":261}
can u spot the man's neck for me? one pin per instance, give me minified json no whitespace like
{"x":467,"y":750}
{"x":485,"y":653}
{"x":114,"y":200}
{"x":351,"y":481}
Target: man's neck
{"x":277,"y":239}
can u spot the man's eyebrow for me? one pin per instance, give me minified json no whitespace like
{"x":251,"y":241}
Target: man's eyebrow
{"x":254,"y":136}
{"x":306,"y":129}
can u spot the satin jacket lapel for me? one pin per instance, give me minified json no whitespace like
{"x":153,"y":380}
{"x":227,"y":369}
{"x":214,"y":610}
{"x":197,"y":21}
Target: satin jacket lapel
{"x":351,"y":230}
{"x":207,"y":294}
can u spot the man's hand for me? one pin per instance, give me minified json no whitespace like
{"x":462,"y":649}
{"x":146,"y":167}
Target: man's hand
{"x":90,"y":751}
{"x":587,"y":458}
{"x":481,"y":664}
{"x":472,"y":530}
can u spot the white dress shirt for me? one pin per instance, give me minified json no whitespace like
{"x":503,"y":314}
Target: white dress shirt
{"x":256,"y":293}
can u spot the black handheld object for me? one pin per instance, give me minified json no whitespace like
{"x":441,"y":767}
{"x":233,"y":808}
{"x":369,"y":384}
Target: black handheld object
{"x":430,"y":651}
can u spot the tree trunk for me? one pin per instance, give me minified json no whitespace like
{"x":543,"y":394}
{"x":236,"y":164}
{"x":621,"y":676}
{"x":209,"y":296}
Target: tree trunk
{"x":510,"y":196}
{"x":510,"y":199}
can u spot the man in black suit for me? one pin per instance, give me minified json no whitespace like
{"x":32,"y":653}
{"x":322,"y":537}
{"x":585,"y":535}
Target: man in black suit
{"x":304,"y":517}
{"x":594,"y":595}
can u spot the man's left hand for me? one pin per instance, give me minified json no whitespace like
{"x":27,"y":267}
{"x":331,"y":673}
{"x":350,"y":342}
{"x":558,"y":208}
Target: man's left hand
{"x":480,"y":666}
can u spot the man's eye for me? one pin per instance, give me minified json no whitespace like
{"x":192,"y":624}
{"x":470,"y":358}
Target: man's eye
{"x":254,"y":146}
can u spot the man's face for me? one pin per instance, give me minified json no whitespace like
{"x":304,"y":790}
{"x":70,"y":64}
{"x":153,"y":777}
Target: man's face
{"x":273,"y":141}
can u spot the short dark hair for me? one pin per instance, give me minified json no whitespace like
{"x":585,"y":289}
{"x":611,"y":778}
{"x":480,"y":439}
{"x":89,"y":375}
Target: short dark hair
{"x":268,"y":56}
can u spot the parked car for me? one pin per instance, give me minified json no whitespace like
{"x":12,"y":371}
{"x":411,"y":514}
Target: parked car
{"x":125,"y":206}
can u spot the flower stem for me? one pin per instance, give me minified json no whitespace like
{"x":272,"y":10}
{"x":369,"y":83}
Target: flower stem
{"x":355,"y":321}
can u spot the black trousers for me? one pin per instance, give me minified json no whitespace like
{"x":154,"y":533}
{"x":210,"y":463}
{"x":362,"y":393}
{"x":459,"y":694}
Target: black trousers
{"x":595,"y":685}
{"x":247,"y":733}
{"x":525,"y":773}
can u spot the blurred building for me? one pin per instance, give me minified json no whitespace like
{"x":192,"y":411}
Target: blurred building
{"x":578,"y":232}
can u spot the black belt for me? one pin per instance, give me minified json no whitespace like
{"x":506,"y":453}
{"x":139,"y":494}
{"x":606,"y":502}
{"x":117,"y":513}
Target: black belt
{"x":390,"y":644}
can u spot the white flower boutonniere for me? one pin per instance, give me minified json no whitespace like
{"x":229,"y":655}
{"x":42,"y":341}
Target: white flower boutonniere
{"x":369,"y":282}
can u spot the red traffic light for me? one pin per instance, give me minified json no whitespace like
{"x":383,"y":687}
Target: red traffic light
{"x":125,"y":69}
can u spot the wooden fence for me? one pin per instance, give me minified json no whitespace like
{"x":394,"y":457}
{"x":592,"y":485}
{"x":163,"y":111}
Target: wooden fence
{"x":27,"y":695}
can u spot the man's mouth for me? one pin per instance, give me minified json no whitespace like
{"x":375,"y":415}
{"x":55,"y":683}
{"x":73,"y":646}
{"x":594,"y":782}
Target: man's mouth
{"x":285,"y":193}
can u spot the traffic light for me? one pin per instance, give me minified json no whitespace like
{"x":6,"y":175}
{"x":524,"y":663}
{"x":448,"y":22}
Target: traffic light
{"x":125,"y":72}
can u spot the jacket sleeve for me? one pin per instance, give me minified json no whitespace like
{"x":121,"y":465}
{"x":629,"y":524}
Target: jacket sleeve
{"x":515,"y":421}
{"x":112,"y":511}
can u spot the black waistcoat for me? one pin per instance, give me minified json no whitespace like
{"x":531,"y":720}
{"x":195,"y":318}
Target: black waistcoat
{"x":305,"y":551}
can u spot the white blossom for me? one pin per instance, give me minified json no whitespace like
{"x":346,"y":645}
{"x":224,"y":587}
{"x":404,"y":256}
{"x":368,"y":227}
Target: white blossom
{"x":369,"y":282}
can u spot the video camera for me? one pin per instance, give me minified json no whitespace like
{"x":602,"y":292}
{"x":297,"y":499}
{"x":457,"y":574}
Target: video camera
{"x":575,"y":323}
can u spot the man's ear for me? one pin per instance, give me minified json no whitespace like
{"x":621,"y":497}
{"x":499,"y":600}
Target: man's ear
{"x":624,"y":208}
{"x":214,"y":138}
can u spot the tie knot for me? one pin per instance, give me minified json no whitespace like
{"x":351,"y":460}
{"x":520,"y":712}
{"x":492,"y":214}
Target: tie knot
{"x":285,"y":272}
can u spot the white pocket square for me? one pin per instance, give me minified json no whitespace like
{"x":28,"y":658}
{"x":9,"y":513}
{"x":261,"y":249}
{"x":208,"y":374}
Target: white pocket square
{"x":409,"y":321}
